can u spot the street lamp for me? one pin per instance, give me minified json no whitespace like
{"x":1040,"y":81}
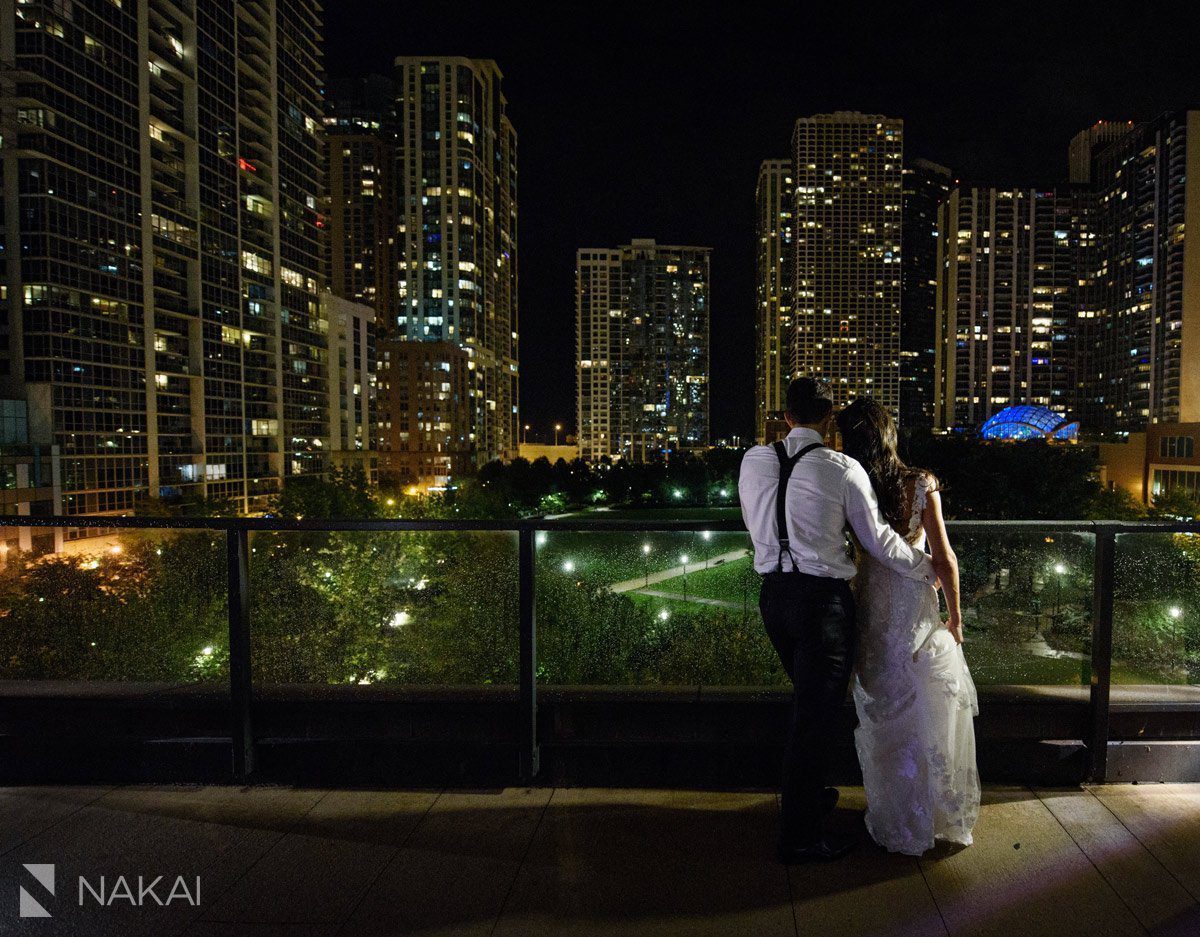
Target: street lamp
{"x":684,"y":560}
{"x":646,"y":562}
{"x":525,"y":434}
{"x":1060,"y":569}
{"x":557,"y":428}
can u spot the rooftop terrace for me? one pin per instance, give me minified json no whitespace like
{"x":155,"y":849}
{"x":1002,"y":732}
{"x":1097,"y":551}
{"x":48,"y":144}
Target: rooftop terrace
{"x":1111,"y":860}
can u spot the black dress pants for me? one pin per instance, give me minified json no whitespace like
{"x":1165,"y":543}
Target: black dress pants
{"x":810,"y":621}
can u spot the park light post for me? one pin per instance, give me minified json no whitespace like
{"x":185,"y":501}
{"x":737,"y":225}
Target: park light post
{"x":646,"y":562}
{"x":684,"y":560}
{"x":557,"y":429}
{"x":1060,"y":570}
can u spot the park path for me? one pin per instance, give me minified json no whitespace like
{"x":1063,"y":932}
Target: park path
{"x":642,"y":582}
{"x":678,"y":597}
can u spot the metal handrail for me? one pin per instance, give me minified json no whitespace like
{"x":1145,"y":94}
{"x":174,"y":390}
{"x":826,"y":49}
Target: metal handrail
{"x":238,"y":529}
{"x":540,"y":523}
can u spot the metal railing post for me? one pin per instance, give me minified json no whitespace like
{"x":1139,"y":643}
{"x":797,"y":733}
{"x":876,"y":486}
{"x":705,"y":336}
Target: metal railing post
{"x":527,"y":704}
{"x":1103,"y":582}
{"x":241,"y":690}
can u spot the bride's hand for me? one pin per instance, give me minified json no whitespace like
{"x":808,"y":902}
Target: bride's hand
{"x":954,"y":626}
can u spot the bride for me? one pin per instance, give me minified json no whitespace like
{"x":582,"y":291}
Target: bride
{"x":912,"y":689}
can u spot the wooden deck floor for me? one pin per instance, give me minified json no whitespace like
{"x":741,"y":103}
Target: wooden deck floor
{"x":1117,"y":860}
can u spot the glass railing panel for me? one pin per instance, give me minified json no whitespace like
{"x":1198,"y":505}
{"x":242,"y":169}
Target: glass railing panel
{"x":1027,"y":607}
{"x":136,"y":610}
{"x":401,"y":608}
{"x":650,"y":609}
{"x":617,"y":608}
{"x":1156,"y":617}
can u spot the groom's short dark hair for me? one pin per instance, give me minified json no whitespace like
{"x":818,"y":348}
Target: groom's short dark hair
{"x":809,"y":399}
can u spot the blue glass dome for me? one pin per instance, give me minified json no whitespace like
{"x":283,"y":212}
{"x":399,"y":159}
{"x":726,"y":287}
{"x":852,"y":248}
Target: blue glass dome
{"x":1028,"y":422}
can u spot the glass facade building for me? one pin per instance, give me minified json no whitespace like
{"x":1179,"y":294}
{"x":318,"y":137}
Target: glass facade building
{"x":161,"y":229}
{"x":360,"y":138}
{"x":642,"y":349}
{"x":848,"y":171}
{"x":926,"y":185}
{"x":1143,"y":339}
{"x":455,"y":263}
{"x":1011,"y":291}
{"x":773,"y":198}
{"x":1028,"y":422}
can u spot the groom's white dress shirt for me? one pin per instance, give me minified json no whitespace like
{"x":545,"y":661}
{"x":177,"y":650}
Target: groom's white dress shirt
{"x":826,"y":489}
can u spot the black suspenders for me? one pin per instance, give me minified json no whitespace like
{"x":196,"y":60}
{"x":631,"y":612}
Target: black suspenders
{"x":786,"y":464}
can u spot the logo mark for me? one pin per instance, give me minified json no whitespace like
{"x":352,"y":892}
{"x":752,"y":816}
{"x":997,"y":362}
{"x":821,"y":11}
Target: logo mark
{"x":43,"y":872}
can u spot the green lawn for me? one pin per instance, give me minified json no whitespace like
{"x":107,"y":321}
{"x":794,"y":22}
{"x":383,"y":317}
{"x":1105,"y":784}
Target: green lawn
{"x":616,"y":557}
{"x":991,"y":662}
{"x":731,"y":580}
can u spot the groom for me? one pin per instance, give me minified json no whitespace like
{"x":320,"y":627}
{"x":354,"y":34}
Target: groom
{"x":797,"y":498}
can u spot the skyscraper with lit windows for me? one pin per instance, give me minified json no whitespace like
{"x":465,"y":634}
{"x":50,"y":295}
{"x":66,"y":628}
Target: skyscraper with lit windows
{"x":926,"y":185}
{"x":1086,"y":144}
{"x":1143,"y":337}
{"x":642,"y":350}
{"x":360,"y":141}
{"x":161,"y":169}
{"x":1011,"y":293}
{"x":456,"y":248}
{"x":848,"y":172}
{"x":775,"y":231}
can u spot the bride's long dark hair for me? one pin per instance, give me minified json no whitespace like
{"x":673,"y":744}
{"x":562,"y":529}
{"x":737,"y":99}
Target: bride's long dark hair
{"x":869,"y":435}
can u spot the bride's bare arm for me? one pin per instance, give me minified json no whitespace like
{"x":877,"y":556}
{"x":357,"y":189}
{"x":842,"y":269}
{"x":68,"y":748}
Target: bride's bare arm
{"x":945,"y":563}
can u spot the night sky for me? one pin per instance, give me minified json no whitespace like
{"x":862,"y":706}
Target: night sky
{"x":650,"y":120}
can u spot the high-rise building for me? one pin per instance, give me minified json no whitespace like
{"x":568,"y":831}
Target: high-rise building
{"x":161,"y":168}
{"x":425,"y":414}
{"x":456,"y":242}
{"x":774,"y":201}
{"x":1087,"y":143}
{"x":1143,"y":340}
{"x":362,"y":213}
{"x":848,"y":170}
{"x":926,"y":185}
{"x":352,"y":364}
{"x":642,"y":344}
{"x":1009,"y":300}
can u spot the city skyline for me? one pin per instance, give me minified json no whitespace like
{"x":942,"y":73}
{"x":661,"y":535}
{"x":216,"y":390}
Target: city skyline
{"x":621,"y":141}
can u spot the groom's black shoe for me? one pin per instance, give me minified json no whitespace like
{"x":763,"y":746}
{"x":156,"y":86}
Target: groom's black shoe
{"x":829,"y":799}
{"x":826,"y":849}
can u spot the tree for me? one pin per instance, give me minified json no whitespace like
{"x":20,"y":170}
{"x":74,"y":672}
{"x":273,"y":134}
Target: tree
{"x":1115,"y":504}
{"x":1176,"y":504}
{"x":346,"y":494}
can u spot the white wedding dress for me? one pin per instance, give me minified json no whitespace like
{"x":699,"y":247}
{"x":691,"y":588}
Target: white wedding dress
{"x":916,"y":701}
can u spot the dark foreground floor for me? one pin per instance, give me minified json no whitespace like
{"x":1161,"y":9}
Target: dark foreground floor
{"x":274,"y":861}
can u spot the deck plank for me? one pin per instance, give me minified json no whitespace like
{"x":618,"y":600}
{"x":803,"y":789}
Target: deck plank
{"x":1166,"y":819}
{"x":320,"y":869}
{"x":870,"y":893}
{"x":454,"y":872}
{"x":1024,"y":875}
{"x":1160,"y":903}
{"x":652,"y":862}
